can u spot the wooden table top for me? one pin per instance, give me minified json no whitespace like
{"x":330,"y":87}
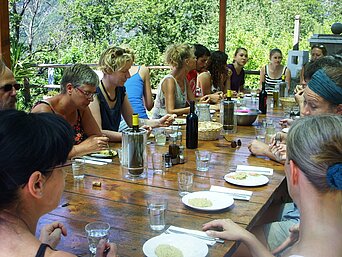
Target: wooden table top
{"x":122,"y":203}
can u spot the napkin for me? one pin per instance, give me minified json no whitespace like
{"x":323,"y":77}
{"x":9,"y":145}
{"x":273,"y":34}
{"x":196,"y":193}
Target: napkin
{"x":235,"y":193}
{"x":98,"y":159}
{"x":185,"y":231}
{"x":93,"y":162}
{"x":254,"y":169}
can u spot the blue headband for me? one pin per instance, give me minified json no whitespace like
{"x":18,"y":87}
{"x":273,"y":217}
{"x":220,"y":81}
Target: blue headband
{"x":334,"y":176}
{"x":325,"y":87}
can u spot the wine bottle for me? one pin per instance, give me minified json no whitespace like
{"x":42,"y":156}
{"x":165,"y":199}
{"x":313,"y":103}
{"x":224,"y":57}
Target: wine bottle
{"x":135,"y":122}
{"x":263,"y":99}
{"x":192,"y":128}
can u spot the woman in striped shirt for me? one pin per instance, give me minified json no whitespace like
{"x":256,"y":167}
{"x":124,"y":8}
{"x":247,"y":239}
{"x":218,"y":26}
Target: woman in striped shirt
{"x":272,"y":72}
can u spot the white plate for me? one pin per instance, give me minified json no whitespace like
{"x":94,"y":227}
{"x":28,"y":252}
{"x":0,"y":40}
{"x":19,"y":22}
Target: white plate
{"x":190,"y":246}
{"x":180,"y":121}
{"x":250,"y":181}
{"x":220,"y":200}
{"x":212,"y":111}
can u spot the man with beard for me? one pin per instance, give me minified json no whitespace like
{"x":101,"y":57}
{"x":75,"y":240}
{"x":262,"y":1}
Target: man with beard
{"x":8,"y":88}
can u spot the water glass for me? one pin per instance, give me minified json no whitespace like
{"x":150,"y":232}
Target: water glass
{"x":185,"y":182}
{"x":95,"y":232}
{"x":158,"y":163}
{"x":159,"y":136}
{"x":270,"y":133}
{"x":78,"y":167}
{"x":157,"y":209}
{"x":202,"y":160}
{"x":260,"y":133}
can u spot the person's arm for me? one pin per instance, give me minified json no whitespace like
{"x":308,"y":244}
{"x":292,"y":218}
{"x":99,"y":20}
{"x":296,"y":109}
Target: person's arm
{"x":232,"y":231}
{"x":148,"y":99}
{"x":95,"y":111}
{"x":262,"y":77}
{"x":127,"y":111}
{"x":169,"y":90}
{"x":288,"y":79}
{"x":259,"y":148}
{"x":301,"y":76}
{"x":204,"y":82}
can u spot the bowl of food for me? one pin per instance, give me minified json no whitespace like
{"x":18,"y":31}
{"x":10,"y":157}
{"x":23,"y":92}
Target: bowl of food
{"x":246,"y":116}
{"x":288,"y":102}
{"x":209,"y":130}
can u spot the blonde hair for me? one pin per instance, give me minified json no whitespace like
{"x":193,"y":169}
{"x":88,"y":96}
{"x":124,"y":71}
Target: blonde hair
{"x":114,"y":59}
{"x":177,"y":53}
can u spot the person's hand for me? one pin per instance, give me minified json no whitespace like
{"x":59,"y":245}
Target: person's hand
{"x":105,"y":249}
{"x":293,"y":238}
{"x":166,"y":120}
{"x":258,"y":148}
{"x":148,"y":129}
{"x":205,"y":99}
{"x":278,"y":138}
{"x":279,"y":152}
{"x":284,"y":123}
{"x":96,"y":143}
{"x":229,"y":229}
{"x":51,"y":233}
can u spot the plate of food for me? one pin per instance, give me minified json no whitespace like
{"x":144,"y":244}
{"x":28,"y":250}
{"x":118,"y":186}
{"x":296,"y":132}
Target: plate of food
{"x":175,"y":245}
{"x":104,"y":154}
{"x":247,"y":179}
{"x":208,"y":201}
{"x":179,"y":121}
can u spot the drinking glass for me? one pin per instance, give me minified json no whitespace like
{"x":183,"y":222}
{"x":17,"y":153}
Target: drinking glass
{"x":202,"y":160}
{"x":159,"y":136}
{"x":78,"y":167}
{"x":157,"y":209}
{"x":95,"y":232}
{"x":158,"y":163}
{"x":185,"y":182}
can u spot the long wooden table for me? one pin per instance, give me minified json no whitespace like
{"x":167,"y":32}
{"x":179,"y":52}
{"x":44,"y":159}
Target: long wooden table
{"x":122,"y":202}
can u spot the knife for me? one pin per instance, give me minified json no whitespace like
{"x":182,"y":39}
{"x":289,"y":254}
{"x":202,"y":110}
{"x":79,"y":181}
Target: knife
{"x":218,"y":240}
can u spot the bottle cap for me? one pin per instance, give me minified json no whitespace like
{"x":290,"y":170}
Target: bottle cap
{"x":135,"y":119}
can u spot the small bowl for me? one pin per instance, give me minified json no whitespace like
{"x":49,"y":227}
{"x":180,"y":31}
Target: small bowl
{"x":246,"y":116}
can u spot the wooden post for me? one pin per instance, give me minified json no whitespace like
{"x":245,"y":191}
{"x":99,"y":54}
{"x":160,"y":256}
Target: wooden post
{"x":222,"y":25}
{"x":5,"y":44}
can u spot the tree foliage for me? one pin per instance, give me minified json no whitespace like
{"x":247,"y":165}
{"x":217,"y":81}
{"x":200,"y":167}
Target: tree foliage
{"x":70,"y":31}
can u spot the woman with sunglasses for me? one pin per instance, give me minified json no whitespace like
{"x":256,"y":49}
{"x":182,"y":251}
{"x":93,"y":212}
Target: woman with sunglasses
{"x":78,"y":86}
{"x":34,"y":147}
{"x":8,"y":88}
{"x":111,"y":101}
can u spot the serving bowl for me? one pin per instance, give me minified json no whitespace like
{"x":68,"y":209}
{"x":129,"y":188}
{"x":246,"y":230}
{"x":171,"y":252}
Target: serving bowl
{"x":246,"y":116}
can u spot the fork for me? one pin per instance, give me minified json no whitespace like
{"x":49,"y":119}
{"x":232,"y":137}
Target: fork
{"x":218,"y":240}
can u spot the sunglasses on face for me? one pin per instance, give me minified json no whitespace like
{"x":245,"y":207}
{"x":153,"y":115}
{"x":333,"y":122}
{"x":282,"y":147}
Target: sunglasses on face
{"x":9,"y":87}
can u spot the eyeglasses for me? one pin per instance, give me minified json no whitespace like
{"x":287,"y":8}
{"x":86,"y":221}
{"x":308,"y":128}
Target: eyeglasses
{"x":318,"y":46}
{"x":9,"y":87}
{"x":86,"y":94}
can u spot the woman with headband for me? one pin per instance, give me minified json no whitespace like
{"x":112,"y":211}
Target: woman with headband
{"x":314,"y":178}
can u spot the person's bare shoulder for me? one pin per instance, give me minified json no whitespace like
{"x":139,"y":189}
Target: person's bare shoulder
{"x":59,"y":254}
{"x":204,"y":75}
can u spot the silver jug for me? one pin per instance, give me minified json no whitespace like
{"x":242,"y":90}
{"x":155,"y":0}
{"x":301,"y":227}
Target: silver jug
{"x":134,"y":153}
{"x":203,"y":112}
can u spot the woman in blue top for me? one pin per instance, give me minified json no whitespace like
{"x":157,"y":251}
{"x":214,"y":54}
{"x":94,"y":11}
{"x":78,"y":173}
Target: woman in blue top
{"x":138,"y":89}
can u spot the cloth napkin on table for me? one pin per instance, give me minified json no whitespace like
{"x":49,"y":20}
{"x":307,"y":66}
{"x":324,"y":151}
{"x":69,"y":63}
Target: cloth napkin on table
{"x":190,"y":231}
{"x":254,"y":169}
{"x":235,"y":193}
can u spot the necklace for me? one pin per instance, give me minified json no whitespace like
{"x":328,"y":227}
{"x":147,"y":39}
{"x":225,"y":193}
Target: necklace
{"x":104,"y":89}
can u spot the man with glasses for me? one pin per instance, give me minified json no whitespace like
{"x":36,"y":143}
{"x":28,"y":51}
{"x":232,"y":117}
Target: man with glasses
{"x":8,"y":88}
